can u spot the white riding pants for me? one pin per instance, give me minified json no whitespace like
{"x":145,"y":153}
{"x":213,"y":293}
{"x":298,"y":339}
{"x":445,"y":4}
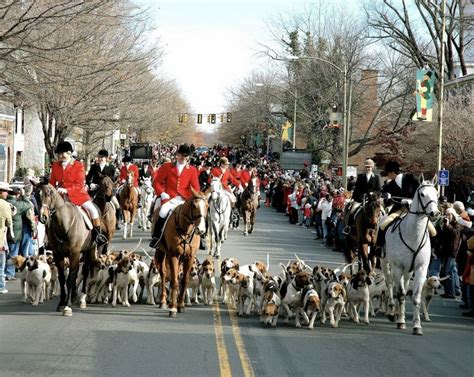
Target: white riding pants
{"x":170,"y":205}
{"x":90,"y":208}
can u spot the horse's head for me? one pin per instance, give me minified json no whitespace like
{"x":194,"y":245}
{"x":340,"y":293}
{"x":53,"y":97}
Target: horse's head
{"x":426,"y":199}
{"x":49,"y":199}
{"x":216,"y":188}
{"x":147,"y":185}
{"x":199,"y":208}
{"x":130,"y":178}
{"x":106,"y":186}
{"x":372,"y":208}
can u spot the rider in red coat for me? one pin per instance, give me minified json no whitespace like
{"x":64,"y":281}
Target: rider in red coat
{"x":172,"y":184}
{"x":68,"y":176}
{"x":223,"y":172}
{"x":129,"y":167}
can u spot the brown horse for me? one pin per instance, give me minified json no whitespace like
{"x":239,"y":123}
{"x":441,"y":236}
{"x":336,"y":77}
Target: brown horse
{"x":249,"y":204}
{"x":178,"y":246}
{"x":363,"y":231}
{"x":128,"y":199}
{"x":68,"y":237}
{"x":107,"y":209}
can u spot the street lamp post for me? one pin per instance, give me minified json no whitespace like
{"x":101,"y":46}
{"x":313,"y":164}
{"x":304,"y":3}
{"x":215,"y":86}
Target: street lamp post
{"x":441,"y":89}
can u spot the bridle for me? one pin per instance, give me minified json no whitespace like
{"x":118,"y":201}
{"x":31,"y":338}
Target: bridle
{"x":423,"y":205}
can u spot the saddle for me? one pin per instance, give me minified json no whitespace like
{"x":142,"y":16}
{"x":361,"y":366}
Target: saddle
{"x":86,"y":217}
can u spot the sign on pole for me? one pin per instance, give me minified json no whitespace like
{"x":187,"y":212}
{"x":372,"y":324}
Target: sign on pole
{"x":443,"y":178}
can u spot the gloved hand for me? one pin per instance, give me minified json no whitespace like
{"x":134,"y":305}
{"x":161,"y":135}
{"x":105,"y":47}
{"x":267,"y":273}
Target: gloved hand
{"x":123,"y":181}
{"x":241,"y":189}
{"x":93,"y":187}
{"x":62,"y":190}
{"x":164,"y":196}
{"x":387,"y":195}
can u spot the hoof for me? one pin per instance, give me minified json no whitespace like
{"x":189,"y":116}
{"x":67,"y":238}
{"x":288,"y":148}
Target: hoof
{"x":82,"y":305}
{"x":427,"y":319}
{"x":401,"y":326}
{"x":172,"y":314}
{"x":181,"y":309}
{"x":417,"y":331}
{"x":391,"y":317}
{"x":163,"y":306}
{"x":67,"y":312}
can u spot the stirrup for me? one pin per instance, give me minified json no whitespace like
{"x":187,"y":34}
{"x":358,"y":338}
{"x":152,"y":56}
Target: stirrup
{"x":101,"y":240}
{"x":347,"y":230}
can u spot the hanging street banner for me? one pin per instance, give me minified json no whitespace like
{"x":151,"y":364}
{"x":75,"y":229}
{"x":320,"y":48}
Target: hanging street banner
{"x":287,"y":131}
{"x":425,"y":82}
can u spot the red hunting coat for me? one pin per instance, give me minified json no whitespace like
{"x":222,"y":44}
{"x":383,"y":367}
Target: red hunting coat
{"x":124,"y":172}
{"x":167,"y":180}
{"x":72,"y":178}
{"x":225,"y":177}
{"x":245,"y":177}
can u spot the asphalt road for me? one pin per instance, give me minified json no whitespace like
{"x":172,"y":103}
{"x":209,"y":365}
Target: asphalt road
{"x":212,"y":341}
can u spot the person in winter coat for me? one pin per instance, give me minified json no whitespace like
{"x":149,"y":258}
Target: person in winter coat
{"x":450,"y":241}
{"x":21,"y":206}
{"x":325,"y":205}
{"x":5,"y":223}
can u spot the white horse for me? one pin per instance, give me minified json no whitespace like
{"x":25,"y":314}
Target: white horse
{"x":219,"y":217}
{"x":407,"y":252}
{"x":146,"y":200}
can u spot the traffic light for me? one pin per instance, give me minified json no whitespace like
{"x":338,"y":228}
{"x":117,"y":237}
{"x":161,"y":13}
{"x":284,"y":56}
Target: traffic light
{"x":213,"y":118}
{"x":229,"y":117}
{"x":180,"y":118}
{"x":209,"y":118}
{"x":199,"y":119}
{"x":222,"y":118}
{"x":185,"y":118}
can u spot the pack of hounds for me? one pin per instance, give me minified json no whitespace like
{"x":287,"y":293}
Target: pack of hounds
{"x":299,"y":291}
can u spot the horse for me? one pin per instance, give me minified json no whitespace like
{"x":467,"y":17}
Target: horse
{"x":249,"y":204}
{"x":363,"y":233}
{"x":68,"y":237}
{"x":146,"y":201}
{"x":218,"y":217}
{"x":107,"y":210}
{"x":128,"y":199}
{"x":178,"y":246}
{"x":408,"y":252}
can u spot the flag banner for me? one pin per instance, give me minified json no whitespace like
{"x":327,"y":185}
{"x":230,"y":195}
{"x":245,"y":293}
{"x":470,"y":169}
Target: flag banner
{"x":287,"y":131}
{"x":425,"y":82}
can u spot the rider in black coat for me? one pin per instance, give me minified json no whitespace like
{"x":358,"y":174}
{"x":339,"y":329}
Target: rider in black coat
{"x":99,"y":170}
{"x":366,"y":182}
{"x":401,"y":186}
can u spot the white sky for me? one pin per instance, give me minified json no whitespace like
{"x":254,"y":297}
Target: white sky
{"x":210,"y":45}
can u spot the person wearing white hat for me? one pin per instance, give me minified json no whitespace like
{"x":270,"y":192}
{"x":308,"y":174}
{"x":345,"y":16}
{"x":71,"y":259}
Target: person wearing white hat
{"x":366,"y":183}
{"x":5,"y":222}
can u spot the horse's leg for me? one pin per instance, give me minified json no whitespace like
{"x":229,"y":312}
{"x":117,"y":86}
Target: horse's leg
{"x":389,"y":284}
{"x":185,"y":282}
{"x":71,"y":282}
{"x":125,"y":224}
{"x":418,"y":282}
{"x":62,"y":282}
{"x":364,"y":256}
{"x":399,"y":292}
{"x":252,"y":219}
{"x":160,"y":261}
{"x":173,"y":268}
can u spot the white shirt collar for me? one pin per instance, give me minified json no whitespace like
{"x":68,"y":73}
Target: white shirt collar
{"x":180,"y":167}
{"x":398,"y":180}
{"x":369,"y":176}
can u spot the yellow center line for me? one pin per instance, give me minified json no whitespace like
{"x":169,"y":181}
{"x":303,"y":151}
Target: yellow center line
{"x":224,"y":365}
{"x":239,"y":342}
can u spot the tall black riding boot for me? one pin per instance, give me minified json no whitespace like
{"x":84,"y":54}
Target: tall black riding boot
{"x":157,"y":231}
{"x":380,"y":242}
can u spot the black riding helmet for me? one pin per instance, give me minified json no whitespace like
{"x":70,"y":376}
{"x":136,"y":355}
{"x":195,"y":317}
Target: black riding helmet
{"x":391,"y":166}
{"x":64,"y":146}
{"x":184,"y":150}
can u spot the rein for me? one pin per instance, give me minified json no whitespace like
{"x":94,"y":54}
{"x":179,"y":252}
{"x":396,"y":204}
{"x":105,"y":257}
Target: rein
{"x":186,"y":237}
{"x":425,"y":237}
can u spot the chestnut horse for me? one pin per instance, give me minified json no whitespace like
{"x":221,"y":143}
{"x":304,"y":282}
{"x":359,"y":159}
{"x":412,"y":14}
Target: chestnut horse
{"x":363,"y":231}
{"x":249,"y":204}
{"x":128,"y":199}
{"x":178,"y":245}
{"x":107,"y":210}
